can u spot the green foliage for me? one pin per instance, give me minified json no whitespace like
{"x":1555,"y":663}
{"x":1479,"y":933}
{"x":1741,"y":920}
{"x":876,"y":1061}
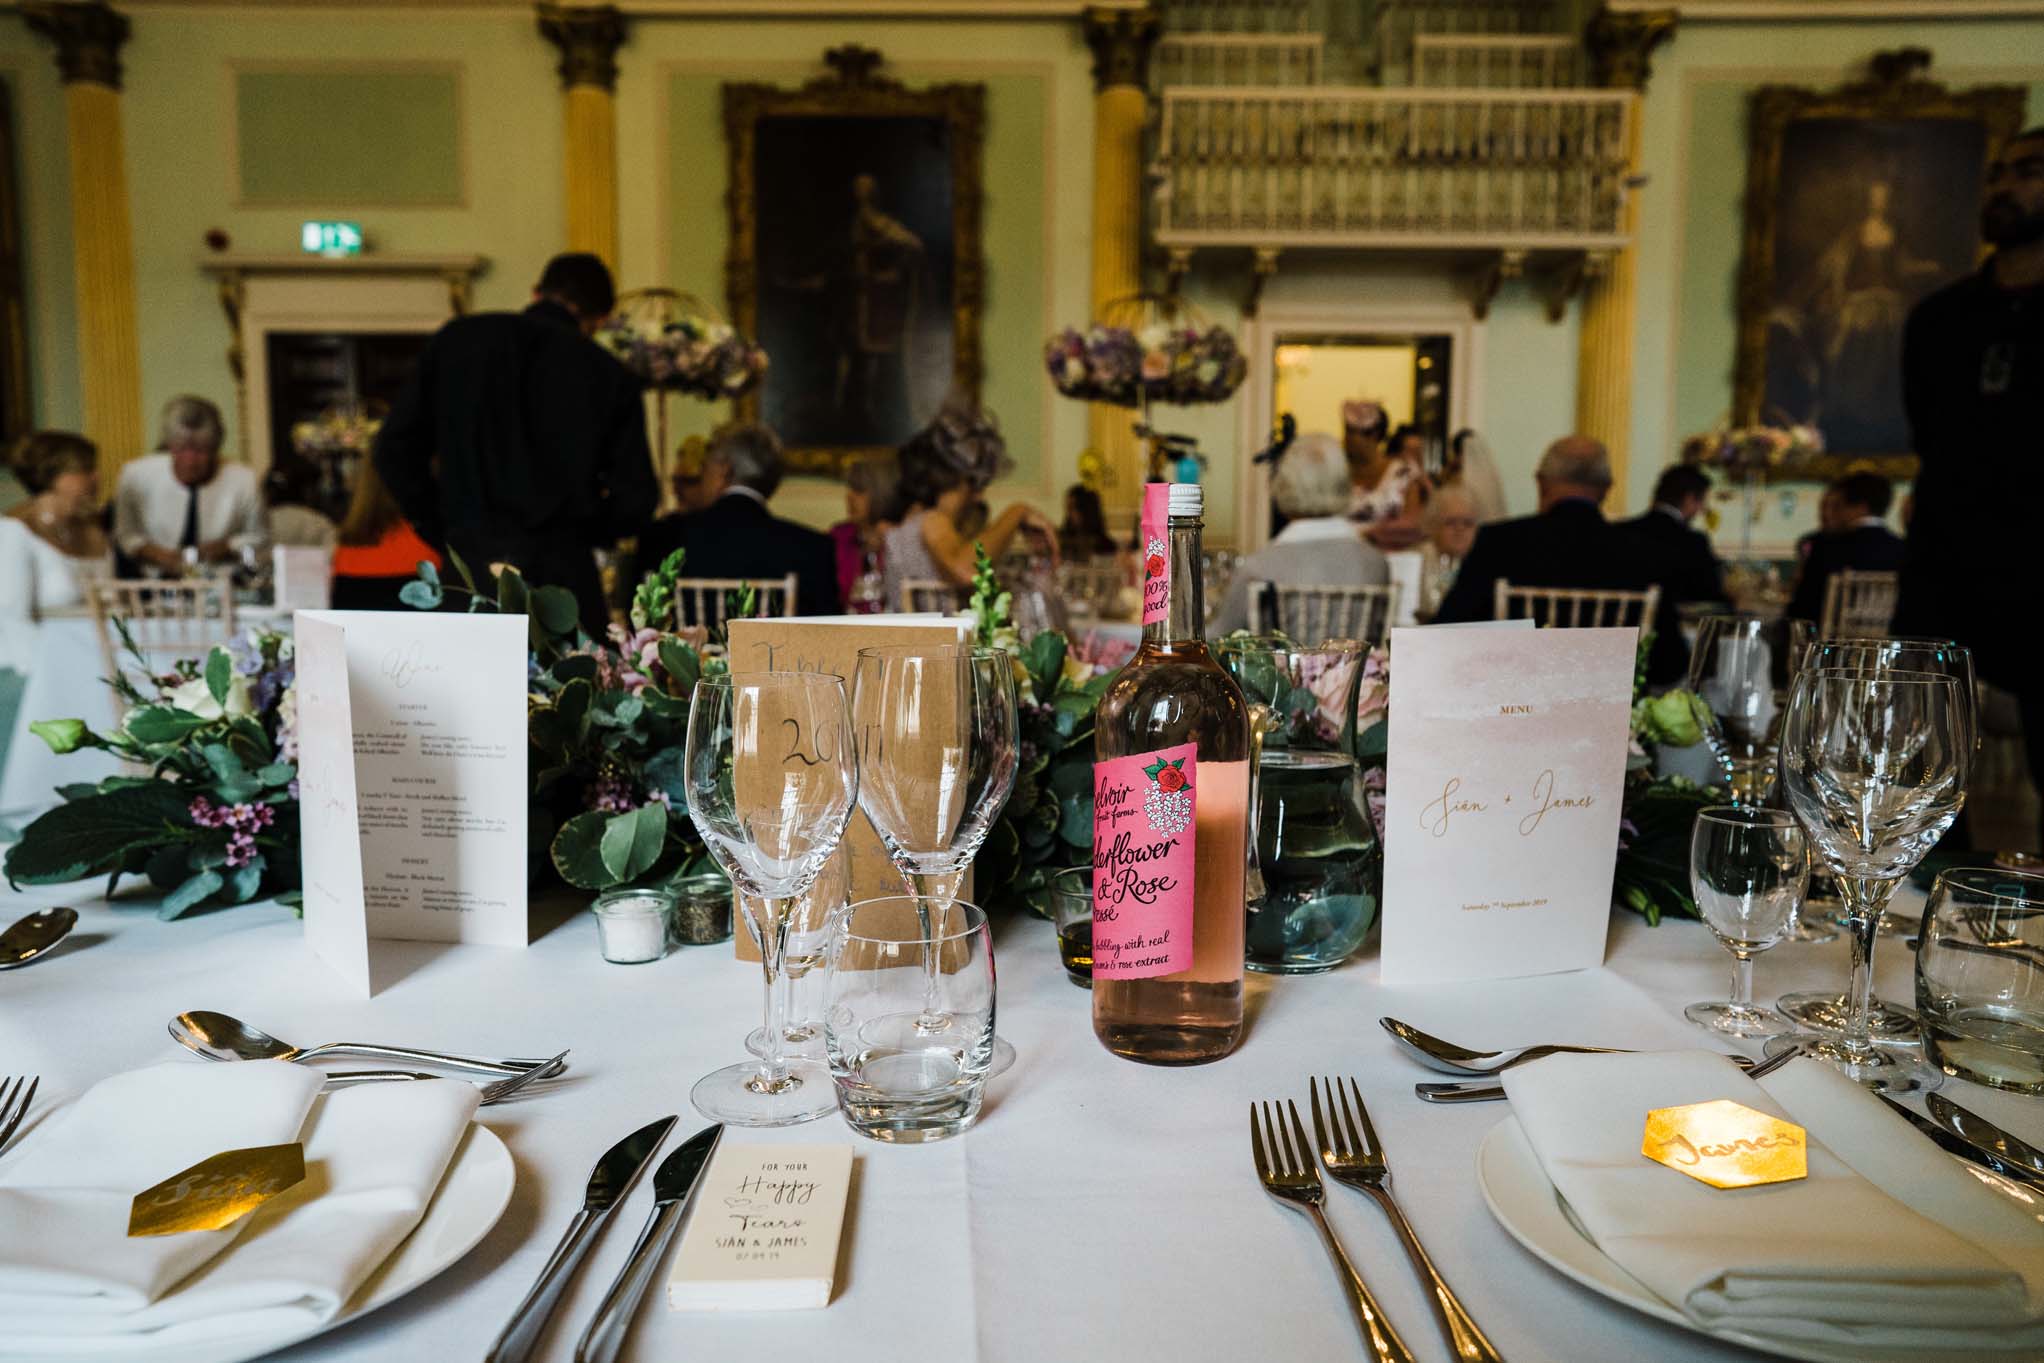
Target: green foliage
{"x":94,"y":835}
{"x":64,"y":735}
{"x":653,"y":600}
{"x":991,"y":607}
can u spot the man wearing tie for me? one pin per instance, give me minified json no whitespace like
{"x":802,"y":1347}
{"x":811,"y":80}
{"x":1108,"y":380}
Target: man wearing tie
{"x":181,"y":507}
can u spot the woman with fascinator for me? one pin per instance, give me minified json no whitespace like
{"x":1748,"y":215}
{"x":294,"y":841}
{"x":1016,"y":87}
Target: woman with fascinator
{"x":945,"y":467}
{"x":1385,"y":491}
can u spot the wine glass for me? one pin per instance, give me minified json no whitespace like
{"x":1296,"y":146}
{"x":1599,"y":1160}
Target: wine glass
{"x":1874,"y":765}
{"x":811,"y":916}
{"x":1749,"y":869}
{"x":1742,"y":667}
{"x":771,"y":779}
{"x":1822,"y":1010}
{"x":935,"y":726}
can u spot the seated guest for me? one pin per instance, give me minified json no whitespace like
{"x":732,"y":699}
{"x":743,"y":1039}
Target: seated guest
{"x":181,"y":505}
{"x":378,"y":551}
{"x":1692,"y":567}
{"x":1386,"y":492}
{"x":1567,"y":544}
{"x":1319,"y":545}
{"x":1451,"y":523}
{"x":60,"y":473}
{"x":1409,"y":443}
{"x":294,"y":521}
{"x":1861,"y":541}
{"x":872,"y":508}
{"x":734,"y":536}
{"x":1084,"y":534}
{"x":944,"y":469}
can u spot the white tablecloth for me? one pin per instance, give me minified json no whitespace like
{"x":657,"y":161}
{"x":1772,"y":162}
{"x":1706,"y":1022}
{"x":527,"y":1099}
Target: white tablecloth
{"x":1101,"y":1210}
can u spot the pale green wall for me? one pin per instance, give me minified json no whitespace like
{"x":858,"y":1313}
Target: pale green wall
{"x":371,"y":137}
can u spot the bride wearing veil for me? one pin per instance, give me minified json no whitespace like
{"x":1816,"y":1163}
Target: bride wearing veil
{"x":1471,"y":464}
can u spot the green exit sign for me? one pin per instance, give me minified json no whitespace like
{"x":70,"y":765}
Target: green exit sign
{"x":331,"y":238}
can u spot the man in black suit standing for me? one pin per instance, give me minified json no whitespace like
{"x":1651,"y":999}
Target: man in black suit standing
{"x":1568,"y":544}
{"x":1863,"y":542}
{"x":520,"y":440}
{"x":734,"y":536}
{"x":1692,"y":567}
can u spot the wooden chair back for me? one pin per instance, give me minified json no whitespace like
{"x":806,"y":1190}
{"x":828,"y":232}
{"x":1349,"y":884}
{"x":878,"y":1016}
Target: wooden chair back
{"x":930,"y":594}
{"x":1577,"y":607}
{"x":1310,"y":613}
{"x":700,"y":601}
{"x":1859,"y":605}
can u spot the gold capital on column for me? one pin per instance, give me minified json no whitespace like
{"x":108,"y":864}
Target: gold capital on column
{"x":1121,"y":40}
{"x":588,"y":38}
{"x":89,"y":38}
{"x":1620,"y":45}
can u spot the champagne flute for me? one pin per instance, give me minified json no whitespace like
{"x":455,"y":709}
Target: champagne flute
{"x":935,"y":726}
{"x":1749,"y":869}
{"x":771,"y":779}
{"x":1874,"y":765}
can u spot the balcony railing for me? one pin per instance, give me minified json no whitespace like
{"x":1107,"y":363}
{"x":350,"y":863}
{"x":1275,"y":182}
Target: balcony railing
{"x":1522,"y":61}
{"x":1279,"y":167}
{"x":1238,"y":59}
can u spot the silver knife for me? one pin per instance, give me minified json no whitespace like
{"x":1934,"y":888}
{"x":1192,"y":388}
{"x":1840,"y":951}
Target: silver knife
{"x":609,"y":1181}
{"x":1964,"y":1149}
{"x":673,"y":1181}
{"x":1976,"y":1130}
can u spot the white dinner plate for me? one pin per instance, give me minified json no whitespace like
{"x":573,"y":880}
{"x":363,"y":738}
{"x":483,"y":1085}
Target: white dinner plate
{"x":472,"y":1194}
{"x":1526,"y":1204}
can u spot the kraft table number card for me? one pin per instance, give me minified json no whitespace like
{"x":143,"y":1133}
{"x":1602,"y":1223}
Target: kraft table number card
{"x":412,"y":780}
{"x":764,"y":1232}
{"x":1504,"y":773}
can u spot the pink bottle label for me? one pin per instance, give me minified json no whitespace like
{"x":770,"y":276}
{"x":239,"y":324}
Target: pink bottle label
{"x":1142,"y":863}
{"x":1156,"y":552}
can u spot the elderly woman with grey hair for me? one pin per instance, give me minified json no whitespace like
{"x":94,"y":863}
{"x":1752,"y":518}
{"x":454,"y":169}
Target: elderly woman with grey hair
{"x":1319,"y":546}
{"x":181,"y":506}
{"x":945,"y":467}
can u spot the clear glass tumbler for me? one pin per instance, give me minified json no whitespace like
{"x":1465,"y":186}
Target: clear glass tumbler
{"x":1980,"y":978}
{"x":1071,"y":911}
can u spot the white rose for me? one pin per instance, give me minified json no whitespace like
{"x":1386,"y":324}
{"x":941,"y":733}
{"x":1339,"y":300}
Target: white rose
{"x":1153,"y":336}
{"x":195,"y":697}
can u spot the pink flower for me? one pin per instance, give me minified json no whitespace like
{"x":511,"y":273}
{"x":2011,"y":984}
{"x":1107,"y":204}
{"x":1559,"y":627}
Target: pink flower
{"x":1156,"y":365}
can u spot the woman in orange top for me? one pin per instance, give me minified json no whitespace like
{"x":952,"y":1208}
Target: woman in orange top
{"x":378,"y":551}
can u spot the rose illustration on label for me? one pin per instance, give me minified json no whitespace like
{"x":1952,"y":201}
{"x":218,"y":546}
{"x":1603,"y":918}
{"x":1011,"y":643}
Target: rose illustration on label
{"x":1167,"y":805}
{"x":1153,"y":565}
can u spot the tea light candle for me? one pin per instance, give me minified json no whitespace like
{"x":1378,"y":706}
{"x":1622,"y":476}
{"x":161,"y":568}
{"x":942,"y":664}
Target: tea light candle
{"x":632,"y":924}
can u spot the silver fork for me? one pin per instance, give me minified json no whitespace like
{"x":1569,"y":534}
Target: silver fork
{"x":491,"y":1093}
{"x":1289,"y":1174}
{"x":15,"y":1096}
{"x":1354,"y":1157}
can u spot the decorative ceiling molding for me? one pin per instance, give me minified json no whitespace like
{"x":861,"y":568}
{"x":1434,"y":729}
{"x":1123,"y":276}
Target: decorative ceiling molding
{"x":700,"y":9}
{"x":1846,"y":11}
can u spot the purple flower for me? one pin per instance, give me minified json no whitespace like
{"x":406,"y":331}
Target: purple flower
{"x":242,"y":822}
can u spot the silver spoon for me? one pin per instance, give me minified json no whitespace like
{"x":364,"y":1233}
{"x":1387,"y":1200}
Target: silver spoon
{"x":220,"y":1037}
{"x":1449,"y":1058}
{"x":34,"y":935}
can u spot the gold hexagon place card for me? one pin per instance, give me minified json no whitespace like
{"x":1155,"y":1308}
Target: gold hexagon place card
{"x":1726,"y":1144}
{"x":218,"y":1191}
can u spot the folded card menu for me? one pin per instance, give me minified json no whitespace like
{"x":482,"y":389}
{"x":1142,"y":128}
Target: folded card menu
{"x":1504,"y":773}
{"x":412,"y":780}
{"x":765,"y":1229}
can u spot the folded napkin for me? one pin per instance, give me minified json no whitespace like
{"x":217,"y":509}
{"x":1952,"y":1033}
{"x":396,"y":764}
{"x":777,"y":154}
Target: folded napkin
{"x":73,"y":1282}
{"x":1887,"y":1243}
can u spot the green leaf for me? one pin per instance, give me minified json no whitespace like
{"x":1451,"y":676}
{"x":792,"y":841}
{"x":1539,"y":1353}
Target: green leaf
{"x":468,"y":579}
{"x":163,"y":724}
{"x":64,"y":735}
{"x":1075,"y":826}
{"x":556,"y":610}
{"x":190,"y":895}
{"x":219,"y":672}
{"x":78,"y":790}
{"x":424,"y":596}
{"x":244,"y":881}
{"x":168,"y":867}
{"x":1044,"y":658}
{"x":428,"y":573}
{"x":631,"y":842}
{"x":87,"y":837}
{"x":210,"y":853}
{"x":575,"y":667}
{"x":666,"y":771}
{"x":681,"y":663}
{"x":277,"y":773}
{"x":512,"y":594}
{"x":578,"y":852}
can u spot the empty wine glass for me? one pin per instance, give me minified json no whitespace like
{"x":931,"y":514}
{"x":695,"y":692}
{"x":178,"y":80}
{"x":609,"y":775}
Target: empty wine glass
{"x":1742,"y":667}
{"x":935,"y":726}
{"x":1874,"y":765}
{"x":771,"y":779}
{"x":1749,"y":869}
{"x":811,"y":916}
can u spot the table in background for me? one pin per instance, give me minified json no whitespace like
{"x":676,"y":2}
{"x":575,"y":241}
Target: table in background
{"x":1101,"y":1210}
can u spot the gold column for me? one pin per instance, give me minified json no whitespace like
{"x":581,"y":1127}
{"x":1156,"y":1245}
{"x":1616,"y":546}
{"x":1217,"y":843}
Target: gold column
{"x":1121,"y":40}
{"x":89,"y":38}
{"x":1620,"y":45}
{"x":588,"y":38}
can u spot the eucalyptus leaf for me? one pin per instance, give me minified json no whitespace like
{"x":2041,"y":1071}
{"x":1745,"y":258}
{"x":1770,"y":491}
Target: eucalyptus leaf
{"x":243,"y":881}
{"x":190,"y":895}
{"x":278,"y":774}
{"x":428,"y":572}
{"x":219,"y":674}
{"x":631,"y":842}
{"x":512,"y":596}
{"x":556,"y":609}
{"x":425,"y":596}
{"x":168,"y":867}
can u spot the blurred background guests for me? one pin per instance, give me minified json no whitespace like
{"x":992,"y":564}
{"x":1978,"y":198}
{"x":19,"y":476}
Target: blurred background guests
{"x":1860,"y":541}
{"x":377,"y":551}
{"x":1385,"y":492}
{"x":1409,"y":443}
{"x":1320,"y":545}
{"x":59,"y":474}
{"x":1451,"y":523}
{"x":1690,"y":568}
{"x":182,"y":503}
{"x":1084,"y":534}
{"x":1472,"y":466}
{"x":945,"y":469}
{"x":736,"y":536}
{"x":872,"y":508}
{"x":294,"y":521}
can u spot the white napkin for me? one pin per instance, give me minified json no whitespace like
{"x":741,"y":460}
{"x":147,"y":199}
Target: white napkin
{"x":1887,"y":1243}
{"x":72,"y":1281}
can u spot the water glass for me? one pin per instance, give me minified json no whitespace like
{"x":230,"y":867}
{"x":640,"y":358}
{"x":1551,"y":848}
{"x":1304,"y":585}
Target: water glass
{"x":899,"y":1079}
{"x":1980,"y":978}
{"x":1742,"y":667}
{"x":1071,"y":910}
{"x":1749,"y":869}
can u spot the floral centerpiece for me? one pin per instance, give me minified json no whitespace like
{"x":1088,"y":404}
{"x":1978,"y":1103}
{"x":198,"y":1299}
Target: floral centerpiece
{"x":1753,"y":451}
{"x":1158,"y":362}
{"x":347,"y":430}
{"x":677,"y":343}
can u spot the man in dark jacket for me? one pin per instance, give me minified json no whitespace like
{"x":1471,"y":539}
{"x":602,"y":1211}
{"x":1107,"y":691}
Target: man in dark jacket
{"x":1692,"y":567}
{"x":1863,"y":543}
{"x":1568,"y":544}
{"x":734,"y":536}
{"x":520,"y":440}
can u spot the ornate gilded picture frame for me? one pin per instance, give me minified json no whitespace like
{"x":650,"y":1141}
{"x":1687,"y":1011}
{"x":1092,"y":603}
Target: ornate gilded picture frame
{"x":1859,"y":201}
{"x":855,"y":254}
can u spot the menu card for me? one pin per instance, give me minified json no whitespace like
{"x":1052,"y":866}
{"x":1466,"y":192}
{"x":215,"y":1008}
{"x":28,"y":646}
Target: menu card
{"x":412,"y":780}
{"x":831,"y":644}
{"x":1504,"y":773}
{"x":764,"y":1232}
